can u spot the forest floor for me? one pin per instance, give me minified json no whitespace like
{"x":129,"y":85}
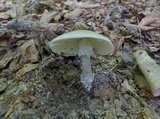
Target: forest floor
{"x":36,"y":83}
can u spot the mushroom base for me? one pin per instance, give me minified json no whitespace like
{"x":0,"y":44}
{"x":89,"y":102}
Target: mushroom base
{"x":86,"y":77}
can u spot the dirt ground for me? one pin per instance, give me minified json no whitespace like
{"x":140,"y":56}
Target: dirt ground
{"x":36,"y":83}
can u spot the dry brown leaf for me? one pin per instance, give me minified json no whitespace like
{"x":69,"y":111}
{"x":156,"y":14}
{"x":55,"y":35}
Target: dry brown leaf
{"x":19,"y":9}
{"x":11,"y":109}
{"x":3,"y":8}
{"x":5,"y":60}
{"x":29,"y":52}
{"x":74,"y":14}
{"x":118,"y":44}
{"x":98,"y":30}
{"x":127,"y":86}
{"x":3,"y":43}
{"x":154,"y":49}
{"x":57,"y":17}
{"x":131,"y":26}
{"x":149,"y":113}
{"x":107,"y":18}
{"x":13,"y":11}
{"x":146,"y":28}
{"x":147,"y":20}
{"x":47,"y":32}
{"x":91,"y":5}
{"x":99,"y":13}
{"x":137,"y":27}
{"x":26,"y":68}
{"x":4,"y":16}
{"x":80,"y":26}
{"x":73,"y":3}
{"x":36,"y":15}
{"x":143,"y":25}
{"x":48,"y":16}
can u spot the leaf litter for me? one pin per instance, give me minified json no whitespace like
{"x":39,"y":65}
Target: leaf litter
{"x":36,"y":83}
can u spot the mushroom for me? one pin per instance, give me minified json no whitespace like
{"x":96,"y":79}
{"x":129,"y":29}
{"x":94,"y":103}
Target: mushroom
{"x":84,"y":43}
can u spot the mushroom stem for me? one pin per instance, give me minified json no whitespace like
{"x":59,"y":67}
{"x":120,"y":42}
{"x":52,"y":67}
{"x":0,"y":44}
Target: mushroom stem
{"x":85,"y":51}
